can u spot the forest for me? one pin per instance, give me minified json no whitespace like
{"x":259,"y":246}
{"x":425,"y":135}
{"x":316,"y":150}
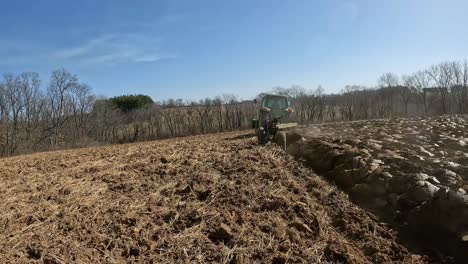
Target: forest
{"x":65,"y":113}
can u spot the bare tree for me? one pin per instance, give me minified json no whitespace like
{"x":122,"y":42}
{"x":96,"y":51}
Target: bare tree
{"x":407,"y":91}
{"x":422,"y":81}
{"x":389,"y":80}
{"x":29,"y":85}
{"x":442,"y":75}
{"x":82,"y":102}
{"x":465,"y":86}
{"x":66,"y":113}
{"x":457,"y":89}
{"x":348,"y":102}
{"x":14,"y":104}
{"x":60,"y":86}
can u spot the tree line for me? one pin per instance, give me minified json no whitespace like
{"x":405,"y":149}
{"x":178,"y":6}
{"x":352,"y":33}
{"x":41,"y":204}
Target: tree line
{"x":65,"y":113}
{"x":438,"y":90}
{"x":34,"y":119}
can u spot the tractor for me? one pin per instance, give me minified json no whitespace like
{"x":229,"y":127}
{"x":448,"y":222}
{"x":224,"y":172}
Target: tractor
{"x":274,"y":114}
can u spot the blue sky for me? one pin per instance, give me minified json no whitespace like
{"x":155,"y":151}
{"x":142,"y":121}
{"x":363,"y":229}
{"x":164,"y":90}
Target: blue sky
{"x":195,"y":49}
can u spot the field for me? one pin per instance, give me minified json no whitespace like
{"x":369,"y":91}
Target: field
{"x":412,"y":173}
{"x":205,"y":199}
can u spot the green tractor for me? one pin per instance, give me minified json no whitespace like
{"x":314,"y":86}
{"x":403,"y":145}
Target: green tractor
{"x":274,"y":114}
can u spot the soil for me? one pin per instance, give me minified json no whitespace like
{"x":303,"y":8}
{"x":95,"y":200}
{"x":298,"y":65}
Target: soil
{"x":435,"y":146}
{"x":410,"y":172}
{"x":204,"y":199}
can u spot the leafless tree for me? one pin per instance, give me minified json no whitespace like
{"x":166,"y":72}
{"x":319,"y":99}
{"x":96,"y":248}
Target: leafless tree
{"x":422,"y":81}
{"x":464,"y":78}
{"x":389,"y":81}
{"x":66,"y":113}
{"x":33,"y":104}
{"x":441,"y":74}
{"x":82,"y":102}
{"x":61,"y":84}
{"x":457,"y":89}
{"x":407,"y":91}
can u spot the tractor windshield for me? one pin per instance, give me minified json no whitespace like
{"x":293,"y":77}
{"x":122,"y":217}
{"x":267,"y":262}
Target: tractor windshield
{"x":276,"y":102}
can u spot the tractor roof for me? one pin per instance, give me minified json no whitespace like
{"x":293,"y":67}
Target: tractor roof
{"x":273,"y":95}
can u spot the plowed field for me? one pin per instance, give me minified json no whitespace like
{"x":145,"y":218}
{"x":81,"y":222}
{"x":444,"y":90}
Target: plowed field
{"x":204,"y":199}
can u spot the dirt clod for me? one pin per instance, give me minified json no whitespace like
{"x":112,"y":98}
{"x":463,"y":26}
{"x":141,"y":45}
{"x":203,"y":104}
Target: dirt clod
{"x":410,"y":172}
{"x":33,"y":252}
{"x":222,"y":233}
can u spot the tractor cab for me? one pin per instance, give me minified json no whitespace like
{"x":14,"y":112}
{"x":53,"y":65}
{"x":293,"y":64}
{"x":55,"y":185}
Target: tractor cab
{"x":273,"y":114}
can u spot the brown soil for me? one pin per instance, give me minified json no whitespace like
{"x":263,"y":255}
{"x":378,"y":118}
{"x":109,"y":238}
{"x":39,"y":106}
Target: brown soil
{"x":436,"y":146}
{"x":412,"y":173}
{"x":216,"y":198}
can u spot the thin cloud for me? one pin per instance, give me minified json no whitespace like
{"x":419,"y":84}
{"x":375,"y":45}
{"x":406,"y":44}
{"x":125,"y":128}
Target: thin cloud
{"x":105,"y":49}
{"x":82,"y":50}
{"x":112,"y":49}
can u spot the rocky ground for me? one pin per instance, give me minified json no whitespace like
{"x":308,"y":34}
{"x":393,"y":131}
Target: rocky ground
{"x":412,"y":173}
{"x":205,"y":199}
